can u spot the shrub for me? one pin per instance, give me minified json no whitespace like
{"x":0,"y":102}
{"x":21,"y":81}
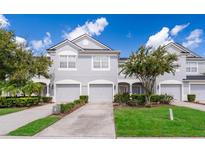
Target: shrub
{"x":134,"y":102}
{"x":139,"y":98}
{"x":69,"y":106}
{"x":191,"y":97}
{"x":46,"y":99}
{"x":84,"y":98}
{"x":156,"y":98}
{"x":122,"y":98}
{"x":19,"y":101}
{"x":166,"y":99}
{"x":66,"y":107}
{"x":77,"y":101}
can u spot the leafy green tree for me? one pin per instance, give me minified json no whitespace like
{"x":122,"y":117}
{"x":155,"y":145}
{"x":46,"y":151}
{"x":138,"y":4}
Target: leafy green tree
{"x":18,"y":65}
{"x":32,"y":88}
{"x":146,"y":65}
{"x":7,"y":53}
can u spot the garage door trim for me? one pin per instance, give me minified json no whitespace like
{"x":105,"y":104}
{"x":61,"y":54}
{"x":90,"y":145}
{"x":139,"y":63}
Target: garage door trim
{"x":172,"y":82}
{"x":99,"y":82}
{"x":67,"y":82}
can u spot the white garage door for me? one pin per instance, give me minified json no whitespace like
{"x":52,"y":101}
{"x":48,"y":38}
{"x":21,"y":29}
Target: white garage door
{"x":67,"y":92}
{"x":101,"y":93}
{"x":172,"y":89}
{"x":198,"y":90}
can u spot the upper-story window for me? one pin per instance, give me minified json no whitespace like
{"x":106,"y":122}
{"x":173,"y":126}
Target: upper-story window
{"x":67,"y":60}
{"x":191,"y":67}
{"x":101,"y":63}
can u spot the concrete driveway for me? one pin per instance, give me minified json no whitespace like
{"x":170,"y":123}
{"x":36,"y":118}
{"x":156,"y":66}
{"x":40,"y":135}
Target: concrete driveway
{"x":10,"y":122}
{"x":94,"y":120}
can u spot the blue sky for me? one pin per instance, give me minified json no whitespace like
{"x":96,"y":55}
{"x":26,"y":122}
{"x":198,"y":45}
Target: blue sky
{"x":121,"y":32}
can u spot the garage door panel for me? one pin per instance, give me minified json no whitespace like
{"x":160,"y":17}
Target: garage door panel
{"x":101,"y":93}
{"x":172,"y":89}
{"x":67,"y":92}
{"x":198,"y":90}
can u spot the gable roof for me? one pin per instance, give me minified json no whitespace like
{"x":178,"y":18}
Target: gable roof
{"x":184,"y":49}
{"x":63,"y":42}
{"x":92,"y":39}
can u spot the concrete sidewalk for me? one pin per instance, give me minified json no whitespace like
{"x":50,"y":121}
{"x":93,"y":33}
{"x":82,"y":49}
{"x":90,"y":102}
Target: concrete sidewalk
{"x":15,"y":120}
{"x":90,"y":121}
{"x":190,"y":105}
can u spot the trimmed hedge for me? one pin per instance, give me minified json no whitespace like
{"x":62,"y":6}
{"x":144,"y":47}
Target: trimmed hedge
{"x":6,"y":102}
{"x":46,"y":99}
{"x":140,"y":99}
{"x":19,"y":102}
{"x":191,"y":97}
{"x":84,"y":98}
{"x":65,"y":108}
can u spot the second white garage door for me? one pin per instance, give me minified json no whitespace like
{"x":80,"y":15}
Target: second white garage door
{"x":198,"y":90}
{"x":172,"y":89}
{"x":101,"y":93}
{"x":67,"y":92}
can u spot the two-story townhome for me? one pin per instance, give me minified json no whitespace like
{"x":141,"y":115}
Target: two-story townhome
{"x":189,"y":77}
{"x":85,"y":66}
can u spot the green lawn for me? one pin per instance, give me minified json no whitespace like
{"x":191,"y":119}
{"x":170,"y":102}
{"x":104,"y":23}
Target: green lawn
{"x":150,"y":122}
{"x":4,"y":111}
{"x":34,"y":127}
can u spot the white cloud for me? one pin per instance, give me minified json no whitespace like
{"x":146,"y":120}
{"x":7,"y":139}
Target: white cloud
{"x":4,"y":23}
{"x":21,"y":41}
{"x":160,"y":38}
{"x":90,"y":27}
{"x":41,"y":45}
{"x":194,"y":39}
{"x":178,"y":28}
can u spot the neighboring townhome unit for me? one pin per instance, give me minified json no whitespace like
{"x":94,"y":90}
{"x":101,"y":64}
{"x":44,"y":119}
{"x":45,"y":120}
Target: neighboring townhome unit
{"x":189,"y":77}
{"x":83,"y":66}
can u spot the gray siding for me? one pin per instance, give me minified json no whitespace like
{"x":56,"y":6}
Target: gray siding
{"x":87,"y":43}
{"x":84,"y":72}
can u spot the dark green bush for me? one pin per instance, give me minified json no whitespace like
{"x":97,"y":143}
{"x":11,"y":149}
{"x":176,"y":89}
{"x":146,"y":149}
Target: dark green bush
{"x":156,"y":98}
{"x":133,"y":102}
{"x":77,"y":101}
{"x":191,"y":97}
{"x":84,"y":98}
{"x":65,"y":108}
{"x":139,"y":98}
{"x":46,"y":99}
{"x":19,"y":101}
{"x":122,"y":98}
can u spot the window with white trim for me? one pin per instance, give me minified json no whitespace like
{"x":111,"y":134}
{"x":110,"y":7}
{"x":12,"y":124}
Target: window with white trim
{"x":68,"y":61}
{"x":101,"y":62}
{"x":191,"y":67}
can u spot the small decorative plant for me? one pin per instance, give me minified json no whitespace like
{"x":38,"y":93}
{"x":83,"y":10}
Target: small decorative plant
{"x":191,"y":97}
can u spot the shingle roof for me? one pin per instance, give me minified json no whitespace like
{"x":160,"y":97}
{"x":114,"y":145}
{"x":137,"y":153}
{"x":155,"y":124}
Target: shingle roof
{"x":195,"y":77}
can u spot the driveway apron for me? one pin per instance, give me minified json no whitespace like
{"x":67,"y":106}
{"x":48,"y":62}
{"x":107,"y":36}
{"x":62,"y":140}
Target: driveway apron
{"x":94,"y":120}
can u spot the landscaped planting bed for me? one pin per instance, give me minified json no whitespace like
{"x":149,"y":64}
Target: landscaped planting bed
{"x":154,"y":122}
{"x":36,"y":126}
